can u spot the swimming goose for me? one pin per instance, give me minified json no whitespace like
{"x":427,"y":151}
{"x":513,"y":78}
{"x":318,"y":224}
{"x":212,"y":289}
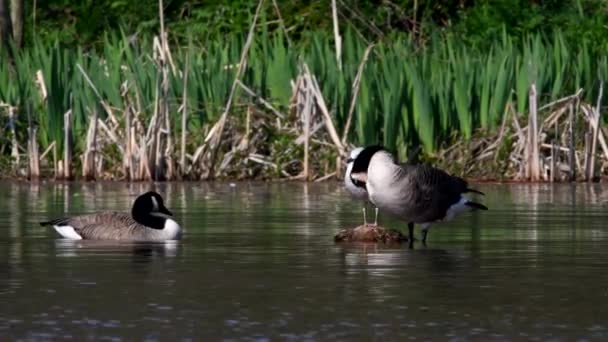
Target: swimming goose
{"x":359,"y":193}
{"x":149,"y":221}
{"x":415,"y":193}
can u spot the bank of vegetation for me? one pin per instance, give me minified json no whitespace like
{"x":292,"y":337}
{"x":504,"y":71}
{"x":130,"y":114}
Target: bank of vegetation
{"x":263,"y":105}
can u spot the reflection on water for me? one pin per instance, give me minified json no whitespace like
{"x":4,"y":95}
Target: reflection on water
{"x":258,"y":261}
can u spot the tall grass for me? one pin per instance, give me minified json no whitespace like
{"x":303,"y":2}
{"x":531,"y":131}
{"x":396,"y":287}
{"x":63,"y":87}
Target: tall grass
{"x":408,"y":94}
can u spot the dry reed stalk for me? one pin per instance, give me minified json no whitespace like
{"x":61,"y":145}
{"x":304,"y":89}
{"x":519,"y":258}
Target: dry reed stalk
{"x":244,"y":143}
{"x":589,"y":115}
{"x":128,"y":156}
{"x":67,"y":145}
{"x":596,"y":130}
{"x":326,"y":177}
{"x":55,"y":161}
{"x":151,"y":141}
{"x":571,"y":154}
{"x":552,"y":165}
{"x":338,"y":172}
{"x":14,"y":144}
{"x":34,"y":160}
{"x":144,"y":172}
{"x":260,"y":100}
{"x":307,"y":112}
{"x":533,"y":159}
{"x":241,"y":66}
{"x":47,"y":151}
{"x":563,"y":100}
{"x":184,"y":110}
{"x":41,"y":85}
{"x":355,"y":92}
{"x":337,"y":38}
{"x":331,"y":129}
{"x":88,"y":164}
{"x":32,"y":151}
{"x":587,"y":151}
{"x":32,"y":148}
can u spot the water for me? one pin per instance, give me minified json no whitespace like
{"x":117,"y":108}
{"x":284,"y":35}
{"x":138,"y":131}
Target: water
{"x":258,"y":262}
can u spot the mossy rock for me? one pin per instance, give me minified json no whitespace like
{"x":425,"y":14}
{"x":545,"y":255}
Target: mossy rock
{"x":370,"y":233}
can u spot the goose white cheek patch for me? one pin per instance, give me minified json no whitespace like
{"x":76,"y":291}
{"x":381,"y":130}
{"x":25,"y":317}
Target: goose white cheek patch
{"x":154,"y":203}
{"x":360,"y":176}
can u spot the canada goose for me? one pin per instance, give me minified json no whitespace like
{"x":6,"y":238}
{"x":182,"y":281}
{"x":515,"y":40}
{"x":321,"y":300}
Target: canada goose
{"x":149,"y":221}
{"x":359,"y":193}
{"x":415,"y":193}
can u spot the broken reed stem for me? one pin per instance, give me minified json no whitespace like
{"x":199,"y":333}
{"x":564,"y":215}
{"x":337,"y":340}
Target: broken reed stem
{"x":355,"y":92}
{"x":88,"y":164}
{"x":533,"y":172}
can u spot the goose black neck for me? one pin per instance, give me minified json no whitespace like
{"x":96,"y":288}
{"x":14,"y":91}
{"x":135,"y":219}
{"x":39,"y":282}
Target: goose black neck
{"x":149,"y":220}
{"x":361,"y":163}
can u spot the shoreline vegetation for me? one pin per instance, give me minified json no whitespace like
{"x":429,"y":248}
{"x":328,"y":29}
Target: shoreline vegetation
{"x":267,"y":108}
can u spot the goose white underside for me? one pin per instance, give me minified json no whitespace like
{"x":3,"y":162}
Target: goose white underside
{"x":453,"y":211}
{"x":457,"y":209}
{"x":171,"y":231}
{"x":68,"y":232}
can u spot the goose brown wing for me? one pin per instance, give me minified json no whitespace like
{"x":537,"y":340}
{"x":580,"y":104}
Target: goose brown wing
{"x":105,"y":225}
{"x":438,"y":180}
{"x":436,"y":190}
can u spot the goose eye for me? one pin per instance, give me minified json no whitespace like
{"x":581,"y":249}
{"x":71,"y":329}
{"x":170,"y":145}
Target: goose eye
{"x":349,"y":160}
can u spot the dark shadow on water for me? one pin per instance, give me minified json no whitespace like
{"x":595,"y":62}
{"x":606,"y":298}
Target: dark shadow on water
{"x":401,"y":258}
{"x":140,"y":251}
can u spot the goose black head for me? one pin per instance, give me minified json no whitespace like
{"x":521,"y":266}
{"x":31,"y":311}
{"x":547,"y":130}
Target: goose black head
{"x":361,"y":162}
{"x":149,"y":209}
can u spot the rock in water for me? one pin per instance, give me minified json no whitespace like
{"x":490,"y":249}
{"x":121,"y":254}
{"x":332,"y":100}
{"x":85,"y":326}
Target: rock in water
{"x":370,"y":233}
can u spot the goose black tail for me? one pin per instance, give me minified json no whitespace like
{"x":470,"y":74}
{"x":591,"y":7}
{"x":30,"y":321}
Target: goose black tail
{"x":476,"y":205}
{"x":475,"y":191}
{"x":52,"y":222}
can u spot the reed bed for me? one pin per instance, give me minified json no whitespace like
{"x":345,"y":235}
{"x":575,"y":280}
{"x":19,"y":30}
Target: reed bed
{"x":260,"y":107}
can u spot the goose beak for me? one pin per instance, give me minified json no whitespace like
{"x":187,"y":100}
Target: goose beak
{"x":164,"y":210}
{"x":359,"y":176}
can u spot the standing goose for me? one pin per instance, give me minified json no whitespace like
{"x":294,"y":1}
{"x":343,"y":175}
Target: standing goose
{"x":357,"y":192}
{"x":414,"y":193}
{"x":149,"y":221}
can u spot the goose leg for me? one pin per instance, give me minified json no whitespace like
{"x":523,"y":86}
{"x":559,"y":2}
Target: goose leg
{"x":365,"y":216}
{"x":410,"y":227}
{"x":376,"y":218}
{"x":425,"y":232}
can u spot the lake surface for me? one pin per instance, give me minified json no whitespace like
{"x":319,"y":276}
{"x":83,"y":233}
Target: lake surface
{"x":258,"y":262}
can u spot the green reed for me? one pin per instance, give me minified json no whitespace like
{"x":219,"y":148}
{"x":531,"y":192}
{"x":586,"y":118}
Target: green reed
{"x":408,"y":94}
